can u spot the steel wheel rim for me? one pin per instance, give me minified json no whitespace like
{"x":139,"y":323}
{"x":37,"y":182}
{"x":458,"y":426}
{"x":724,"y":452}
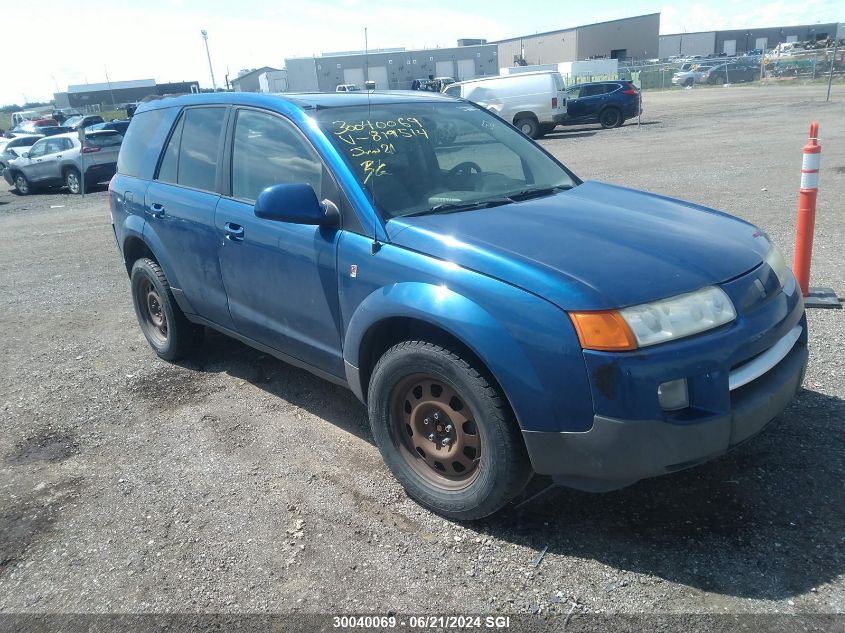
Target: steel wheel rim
{"x":526,"y":129}
{"x":73,"y":182}
{"x":152,"y":311}
{"x":435,"y":432}
{"x":21,"y":184}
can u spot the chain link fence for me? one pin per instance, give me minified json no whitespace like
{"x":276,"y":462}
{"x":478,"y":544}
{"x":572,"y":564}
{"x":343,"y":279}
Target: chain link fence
{"x":807,"y":67}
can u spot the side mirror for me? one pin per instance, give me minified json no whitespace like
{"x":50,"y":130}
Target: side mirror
{"x":25,"y":154}
{"x":296,"y":204}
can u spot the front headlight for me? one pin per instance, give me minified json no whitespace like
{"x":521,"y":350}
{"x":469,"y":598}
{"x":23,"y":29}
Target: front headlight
{"x":679,"y":316}
{"x":654,"y":322}
{"x":774,"y":258}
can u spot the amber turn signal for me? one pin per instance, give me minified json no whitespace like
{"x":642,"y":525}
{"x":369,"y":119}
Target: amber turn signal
{"x":605,"y":330}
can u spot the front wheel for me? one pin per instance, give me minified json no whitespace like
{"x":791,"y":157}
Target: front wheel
{"x":445,"y":431}
{"x":73,"y":181}
{"x":22,"y":185}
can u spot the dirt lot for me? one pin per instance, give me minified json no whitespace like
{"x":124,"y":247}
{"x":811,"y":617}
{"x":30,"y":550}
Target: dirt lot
{"x":236,"y":483}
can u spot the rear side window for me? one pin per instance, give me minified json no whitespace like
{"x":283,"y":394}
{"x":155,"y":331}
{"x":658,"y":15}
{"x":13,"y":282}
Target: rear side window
{"x":104,"y":139}
{"x":138,"y":140}
{"x":190,"y":159}
{"x":455,"y":91}
{"x":267,"y":151}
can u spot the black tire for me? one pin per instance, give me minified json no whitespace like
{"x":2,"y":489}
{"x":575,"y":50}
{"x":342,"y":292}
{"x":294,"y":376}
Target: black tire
{"x":688,"y":82}
{"x":501,"y":467}
{"x":528,"y":126}
{"x":73,"y":181}
{"x":23,"y":185}
{"x":547,"y":128}
{"x":154,"y":304}
{"x":610,"y":117}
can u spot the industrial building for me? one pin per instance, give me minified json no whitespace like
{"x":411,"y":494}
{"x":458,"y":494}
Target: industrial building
{"x":248,"y":81}
{"x":738,"y":41}
{"x":87,"y":96}
{"x":393,"y":69}
{"x":629,"y":38}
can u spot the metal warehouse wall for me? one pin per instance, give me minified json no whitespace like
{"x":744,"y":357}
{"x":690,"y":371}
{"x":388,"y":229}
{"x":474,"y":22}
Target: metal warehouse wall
{"x":746,"y":39}
{"x":545,"y":48}
{"x":391,"y":70}
{"x":104,"y":97}
{"x":687,"y":44}
{"x":637,"y":37}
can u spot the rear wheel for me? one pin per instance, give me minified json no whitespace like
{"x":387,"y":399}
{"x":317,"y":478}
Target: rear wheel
{"x":610,"y":117}
{"x":445,"y":432}
{"x":22,"y":185}
{"x":164,"y":325}
{"x":73,"y":180}
{"x":528,"y":126}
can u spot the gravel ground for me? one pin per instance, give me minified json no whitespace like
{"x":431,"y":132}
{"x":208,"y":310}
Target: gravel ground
{"x":235,"y":483}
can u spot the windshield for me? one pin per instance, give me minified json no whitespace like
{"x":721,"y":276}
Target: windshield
{"x":73,"y":121}
{"x":421,"y":158}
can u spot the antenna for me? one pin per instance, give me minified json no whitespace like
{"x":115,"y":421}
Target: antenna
{"x":376,"y":247}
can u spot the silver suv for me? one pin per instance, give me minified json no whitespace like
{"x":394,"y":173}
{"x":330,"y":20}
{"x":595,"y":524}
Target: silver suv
{"x":62,"y":159}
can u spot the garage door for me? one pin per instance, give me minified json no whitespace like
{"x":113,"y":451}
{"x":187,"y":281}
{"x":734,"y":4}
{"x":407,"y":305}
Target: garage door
{"x":354,"y":76}
{"x":729,"y":47}
{"x":444,"y":69}
{"x":761,"y":42}
{"x":466,"y":69}
{"x":378,"y":74}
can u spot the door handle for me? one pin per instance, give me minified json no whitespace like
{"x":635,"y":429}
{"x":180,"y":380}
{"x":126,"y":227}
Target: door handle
{"x":58,"y":155}
{"x":156,"y":210}
{"x":234,"y":232}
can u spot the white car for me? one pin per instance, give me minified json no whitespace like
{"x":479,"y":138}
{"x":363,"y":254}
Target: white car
{"x":63,"y":159}
{"x":12,"y":148}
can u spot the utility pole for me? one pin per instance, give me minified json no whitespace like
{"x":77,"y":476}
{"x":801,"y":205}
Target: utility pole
{"x":108,"y":81}
{"x":208,"y":54}
{"x":832,"y":63}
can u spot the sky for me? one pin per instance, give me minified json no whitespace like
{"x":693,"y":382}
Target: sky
{"x":160,"y":39}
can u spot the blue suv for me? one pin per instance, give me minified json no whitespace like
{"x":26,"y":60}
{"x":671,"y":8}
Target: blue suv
{"x":608,"y":103}
{"x":498,"y":316}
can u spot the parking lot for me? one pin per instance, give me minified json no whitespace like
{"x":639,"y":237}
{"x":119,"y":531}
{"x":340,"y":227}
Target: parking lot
{"x":233,"y":482}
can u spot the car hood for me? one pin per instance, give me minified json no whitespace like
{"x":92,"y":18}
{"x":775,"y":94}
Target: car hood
{"x":594,"y":247}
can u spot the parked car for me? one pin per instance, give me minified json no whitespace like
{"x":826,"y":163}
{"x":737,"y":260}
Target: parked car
{"x":16,"y":146}
{"x":608,"y":103}
{"x":730,"y":73}
{"x":347,"y":88}
{"x":61,"y":160}
{"x":118,"y":126}
{"x":688,"y":78}
{"x":63,"y":114}
{"x":535,"y":102}
{"x":34,"y":126}
{"x":76,"y":123}
{"x":496,"y":314}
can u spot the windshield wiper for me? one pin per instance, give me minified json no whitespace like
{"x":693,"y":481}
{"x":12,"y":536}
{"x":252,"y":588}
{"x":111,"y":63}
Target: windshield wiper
{"x":537,"y":192}
{"x":453,"y":207}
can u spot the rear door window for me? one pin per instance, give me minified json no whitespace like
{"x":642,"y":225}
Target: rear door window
{"x":199,"y":147}
{"x":104,"y":139}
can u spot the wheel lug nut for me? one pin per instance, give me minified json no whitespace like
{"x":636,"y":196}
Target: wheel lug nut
{"x":427,"y":421}
{"x":448,"y":428}
{"x":446,"y":441}
{"x":431,"y":437}
{"x":436,"y":416}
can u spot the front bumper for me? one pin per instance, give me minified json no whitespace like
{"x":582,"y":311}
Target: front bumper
{"x":615,"y":453}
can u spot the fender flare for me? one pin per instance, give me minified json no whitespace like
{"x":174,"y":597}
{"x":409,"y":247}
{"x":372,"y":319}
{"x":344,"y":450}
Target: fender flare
{"x":457,"y":315}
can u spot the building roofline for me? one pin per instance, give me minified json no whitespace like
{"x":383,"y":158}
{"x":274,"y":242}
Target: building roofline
{"x":572,"y":28}
{"x":257,"y":71}
{"x":406,"y":51}
{"x":752,"y":28}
